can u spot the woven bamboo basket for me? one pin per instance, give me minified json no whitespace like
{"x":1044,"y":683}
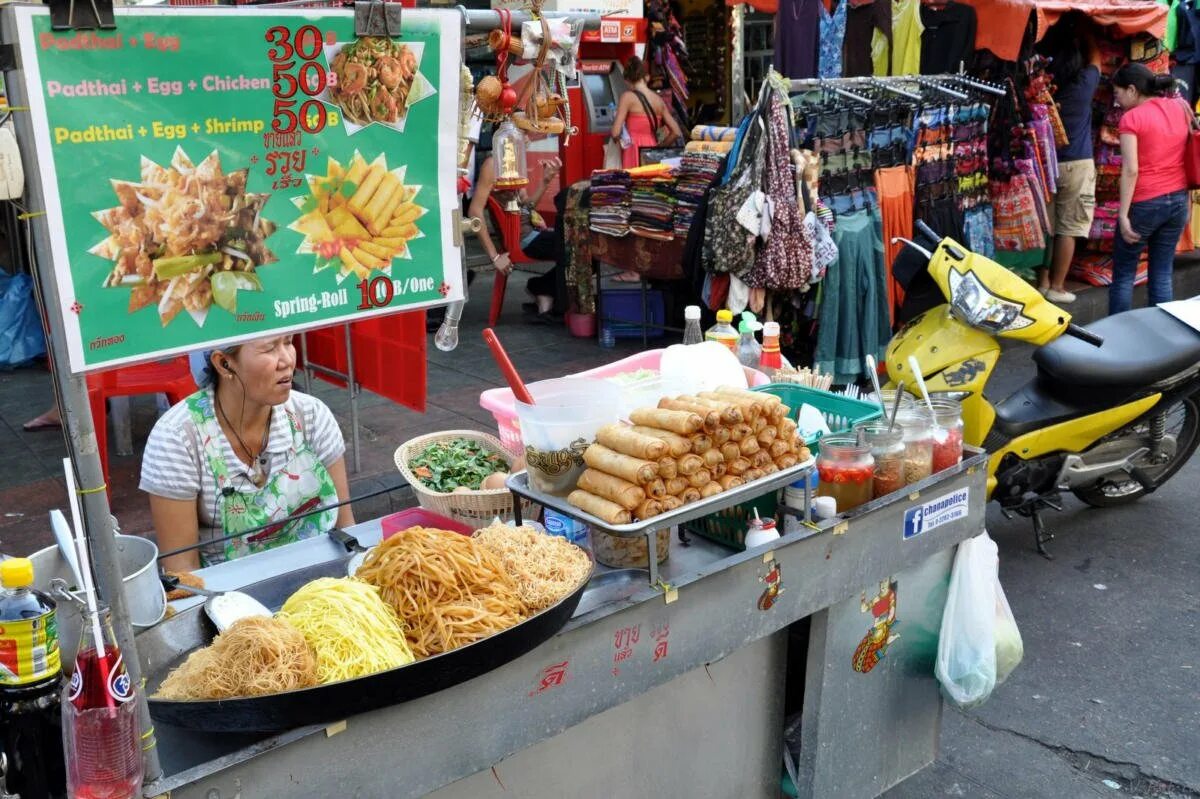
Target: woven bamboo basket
{"x":475,"y":509}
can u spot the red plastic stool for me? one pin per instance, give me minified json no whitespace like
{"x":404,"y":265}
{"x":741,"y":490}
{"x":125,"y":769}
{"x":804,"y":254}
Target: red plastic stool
{"x":509,"y":225}
{"x":173,"y":378}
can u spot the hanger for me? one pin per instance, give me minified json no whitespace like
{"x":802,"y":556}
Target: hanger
{"x":932,"y":84}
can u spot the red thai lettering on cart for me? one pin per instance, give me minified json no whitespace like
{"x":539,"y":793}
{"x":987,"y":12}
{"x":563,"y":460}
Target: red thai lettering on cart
{"x":659,"y":634}
{"x":551,"y":677}
{"x":624,"y":641}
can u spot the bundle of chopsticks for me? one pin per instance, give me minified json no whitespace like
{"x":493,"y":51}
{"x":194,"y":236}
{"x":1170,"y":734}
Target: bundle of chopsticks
{"x":813,"y":378}
{"x":686,"y":449}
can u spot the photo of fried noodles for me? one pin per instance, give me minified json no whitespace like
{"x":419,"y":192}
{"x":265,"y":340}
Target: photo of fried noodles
{"x":185,"y":237}
{"x":358,"y":218}
{"x":374,"y":78}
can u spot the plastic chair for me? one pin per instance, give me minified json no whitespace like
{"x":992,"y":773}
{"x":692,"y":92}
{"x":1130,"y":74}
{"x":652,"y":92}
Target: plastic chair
{"x":509,"y":225}
{"x":173,"y":378}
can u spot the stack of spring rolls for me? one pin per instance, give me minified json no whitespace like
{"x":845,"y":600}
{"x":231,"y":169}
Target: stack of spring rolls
{"x":688,"y":448}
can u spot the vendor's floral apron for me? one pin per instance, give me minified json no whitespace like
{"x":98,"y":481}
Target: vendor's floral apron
{"x":303,"y":483}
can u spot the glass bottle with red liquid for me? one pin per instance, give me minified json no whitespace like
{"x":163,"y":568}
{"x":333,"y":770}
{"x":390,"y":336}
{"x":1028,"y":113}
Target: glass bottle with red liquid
{"x":948,"y":438}
{"x":99,"y":718}
{"x":847,"y":472}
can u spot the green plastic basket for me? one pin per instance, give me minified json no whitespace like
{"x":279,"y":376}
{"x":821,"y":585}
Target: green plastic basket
{"x":728,"y":527}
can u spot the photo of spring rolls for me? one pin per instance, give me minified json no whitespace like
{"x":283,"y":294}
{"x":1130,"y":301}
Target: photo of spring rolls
{"x":682,"y":422}
{"x":614,"y":489}
{"x":720,"y":436}
{"x":620,"y":438}
{"x":730,"y":414}
{"x":710,"y":418}
{"x":676,"y":485}
{"x":701,"y":443}
{"x":711,"y":489}
{"x":670,"y":503}
{"x":656,"y":488}
{"x":738,"y":466}
{"x":749,"y":445}
{"x":667,"y":468}
{"x":185,"y":237}
{"x":689,"y":465}
{"x":676,"y":444}
{"x":635,"y":470}
{"x":648,"y":509}
{"x":730,"y":481}
{"x":690,"y":495}
{"x":740,"y":431}
{"x":731,"y":451}
{"x":603,"y":509}
{"x":712,"y":457}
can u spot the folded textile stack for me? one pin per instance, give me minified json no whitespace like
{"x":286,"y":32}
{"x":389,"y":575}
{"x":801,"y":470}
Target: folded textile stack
{"x":609,"y":211}
{"x":652,"y":212}
{"x":696,"y":173}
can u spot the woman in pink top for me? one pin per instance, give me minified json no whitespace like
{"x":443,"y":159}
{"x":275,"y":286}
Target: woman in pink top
{"x":1154,"y":187}
{"x":639,"y":112}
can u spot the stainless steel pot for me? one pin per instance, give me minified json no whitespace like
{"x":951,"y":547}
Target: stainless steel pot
{"x":144,"y":595}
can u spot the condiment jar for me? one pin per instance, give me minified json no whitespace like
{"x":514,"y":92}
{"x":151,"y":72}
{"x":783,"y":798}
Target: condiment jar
{"x":760,"y":531}
{"x":887,"y":448}
{"x":948,"y":437}
{"x":847,"y":472}
{"x":889,"y":399}
{"x":917,"y":424}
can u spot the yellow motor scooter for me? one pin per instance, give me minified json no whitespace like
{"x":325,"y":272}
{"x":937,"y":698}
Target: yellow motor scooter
{"x":1111,"y":415}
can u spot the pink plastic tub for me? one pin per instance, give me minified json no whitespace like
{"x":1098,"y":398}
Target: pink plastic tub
{"x":500,"y":400}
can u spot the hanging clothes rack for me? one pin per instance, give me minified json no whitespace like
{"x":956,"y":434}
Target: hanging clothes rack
{"x":895,"y":85}
{"x":979,"y":85}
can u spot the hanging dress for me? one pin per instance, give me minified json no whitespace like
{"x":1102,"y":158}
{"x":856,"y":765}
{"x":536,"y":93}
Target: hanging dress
{"x":833,"y":33}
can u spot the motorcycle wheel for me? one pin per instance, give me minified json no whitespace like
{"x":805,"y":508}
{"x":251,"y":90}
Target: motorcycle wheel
{"x":1182,"y":424}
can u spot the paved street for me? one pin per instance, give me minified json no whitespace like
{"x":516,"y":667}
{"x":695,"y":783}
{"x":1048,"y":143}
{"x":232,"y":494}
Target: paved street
{"x":1106,"y":703}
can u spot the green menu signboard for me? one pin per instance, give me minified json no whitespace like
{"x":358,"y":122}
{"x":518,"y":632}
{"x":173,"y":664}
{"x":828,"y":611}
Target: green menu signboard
{"x":215,"y":176}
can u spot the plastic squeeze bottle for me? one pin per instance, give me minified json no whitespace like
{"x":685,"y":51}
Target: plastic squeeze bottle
{"x":771,"y":359}
{"x":749,"y":351}
{"x":723,"y":332}
{"x":691,"y":327}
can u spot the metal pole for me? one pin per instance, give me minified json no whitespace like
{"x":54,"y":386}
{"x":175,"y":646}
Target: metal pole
{"x":71,"y":393}
{"x":353,"y":397}
{"x":480,"y":21}
{"x":737,"y":67}
{"x":304,"y":357}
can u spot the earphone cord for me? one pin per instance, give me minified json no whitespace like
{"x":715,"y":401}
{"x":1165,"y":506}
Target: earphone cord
{"x":237,"y":435}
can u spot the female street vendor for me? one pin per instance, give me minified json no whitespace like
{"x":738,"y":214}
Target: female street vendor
{"x":242,"y":451}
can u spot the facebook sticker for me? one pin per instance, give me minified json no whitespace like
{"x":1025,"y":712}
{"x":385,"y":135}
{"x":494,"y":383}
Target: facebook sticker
{"x":930,"y":515}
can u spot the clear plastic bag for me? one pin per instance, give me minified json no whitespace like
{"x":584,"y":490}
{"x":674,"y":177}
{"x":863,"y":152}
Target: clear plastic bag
{"x":966,"y":657}
{"x":1010,"y":649}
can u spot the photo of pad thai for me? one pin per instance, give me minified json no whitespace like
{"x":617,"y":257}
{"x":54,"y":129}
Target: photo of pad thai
{"x":359,"y":217}
{"x":185,"y":237}
{"x":374,"y":78}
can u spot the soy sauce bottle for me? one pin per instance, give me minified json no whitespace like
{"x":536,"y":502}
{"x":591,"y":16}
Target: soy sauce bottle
{"x":30,"y":679}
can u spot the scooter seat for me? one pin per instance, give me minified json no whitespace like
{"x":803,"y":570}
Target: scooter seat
{"x":1140,"y":348}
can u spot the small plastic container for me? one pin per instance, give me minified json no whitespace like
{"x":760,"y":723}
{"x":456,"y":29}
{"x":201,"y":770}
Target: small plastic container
{"x":419,"y":517}
{"x":557,"y":428}
{"x":887,"y":448}
{"x":948,"y":437}
{"x":847,"y":472}
{"x":917,"y":424}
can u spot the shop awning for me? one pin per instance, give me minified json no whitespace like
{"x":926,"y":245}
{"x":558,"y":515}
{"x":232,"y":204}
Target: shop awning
{"x":765,"y":6}
{"x":1001,"y":23}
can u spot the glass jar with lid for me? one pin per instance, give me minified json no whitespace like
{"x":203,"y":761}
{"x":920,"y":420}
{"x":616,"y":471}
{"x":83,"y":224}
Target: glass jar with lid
{"x":846,"y":470}
{"x":889,"y":399}
{"x":948,"y":436}
{"x":887,"y":448}
{"x":917,"y":423}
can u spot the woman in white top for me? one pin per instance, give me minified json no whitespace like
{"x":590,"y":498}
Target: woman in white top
{"x":242,"y":452}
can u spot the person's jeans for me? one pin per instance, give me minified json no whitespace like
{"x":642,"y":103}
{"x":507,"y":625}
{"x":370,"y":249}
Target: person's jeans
{"x":1159,"y":221}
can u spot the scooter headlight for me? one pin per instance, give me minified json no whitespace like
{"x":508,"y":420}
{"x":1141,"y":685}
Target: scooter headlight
{"x":974,"y":304}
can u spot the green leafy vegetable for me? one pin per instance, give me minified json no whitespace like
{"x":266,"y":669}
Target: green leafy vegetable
{"x":452,"y":464}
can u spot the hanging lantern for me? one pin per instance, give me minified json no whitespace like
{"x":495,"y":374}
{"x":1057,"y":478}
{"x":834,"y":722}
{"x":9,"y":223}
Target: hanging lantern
{"x":508,"y":148}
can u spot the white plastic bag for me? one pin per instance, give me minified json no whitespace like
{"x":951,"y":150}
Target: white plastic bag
{"x":612,"y":155}
{"x":1009,"y":647}
{"x":966,"y":657}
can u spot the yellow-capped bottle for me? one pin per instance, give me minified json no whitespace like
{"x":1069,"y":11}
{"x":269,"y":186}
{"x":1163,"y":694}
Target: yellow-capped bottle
{"x":723,"y":331}
{"x":28,"y":628}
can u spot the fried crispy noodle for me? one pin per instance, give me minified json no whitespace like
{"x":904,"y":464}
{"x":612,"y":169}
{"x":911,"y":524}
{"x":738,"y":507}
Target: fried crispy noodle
{"x":255,"y":656}
{"x":352,"y":631}
{"x":449,"y":590}
{"x":546,"y":567}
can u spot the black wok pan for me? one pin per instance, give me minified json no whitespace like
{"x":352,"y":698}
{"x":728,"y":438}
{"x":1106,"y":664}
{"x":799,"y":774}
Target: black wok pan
{"x":166,"y":645}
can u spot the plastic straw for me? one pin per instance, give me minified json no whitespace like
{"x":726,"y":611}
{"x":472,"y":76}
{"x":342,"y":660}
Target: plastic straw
{"x":85,"y":569}
{"x":506,"y":366}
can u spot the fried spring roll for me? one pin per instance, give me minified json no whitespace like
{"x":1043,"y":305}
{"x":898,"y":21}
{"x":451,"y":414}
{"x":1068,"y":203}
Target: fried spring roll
{"x":769,"y":400}
{"x":690,"y":495}
{"x":656,"y":488}
{"x":786,"y":461}
{"x":769,"y":468}
{"x":712,"y":458}
{"x":749,"y":445}
{"x":778,"y":448}
{"x":731,"y":451}
{"x":606,"y":511}
{"x":718,"y":470}
{"x":720,"y":436}
{"x":671,"y":503}
{"x":676,"y":444}
{"x":738,"y":466}
{"x":787,"y":428}
{"x":648,"y":509}
{"x":620,"y":438}
{"x":730,"y":481}
{"x":667,"y":468}
{"x":682,"y":422}
{"x":760,"y":459}
{"x":700,"y":478}
{"x":711,"y":489}
{"x":760,"y":424}
{"x":676,"y":486}
{"x":750,"y":409}
{"x":752,"y":474}
{"x":779,"y":412}
{"x":730,"y":413}
{"x":701,"y":443}
{"x":635,"y":470}
{"x":710,"y":418}
{"x":614,"y":489}
{"x":740,"y":431}
{"x":767,"y":435}
{"x":689,"y":465}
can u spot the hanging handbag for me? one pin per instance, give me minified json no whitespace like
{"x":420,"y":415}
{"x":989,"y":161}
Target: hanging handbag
{"x":728,"y":246}
{"x":1191,"y":149}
